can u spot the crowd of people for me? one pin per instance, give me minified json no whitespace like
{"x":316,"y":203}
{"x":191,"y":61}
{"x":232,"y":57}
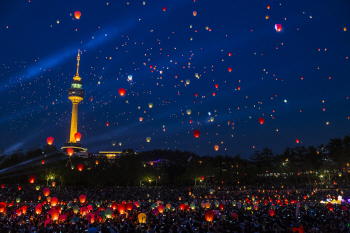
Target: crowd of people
{"x":215,"y":209}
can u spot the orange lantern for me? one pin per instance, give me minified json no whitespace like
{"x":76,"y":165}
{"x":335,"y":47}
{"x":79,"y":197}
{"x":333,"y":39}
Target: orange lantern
{"x":96,"y":162}
{"x":55,"y":214}
{"x":161,"y":209}
{"x":24,"y":209}
{"x":77,"y":136}
{"x":2,"y":208}
{"x":77,"y":14}
{"x":70,"y":151}
{"x":209,"y":216}
{"x":54,"y":201}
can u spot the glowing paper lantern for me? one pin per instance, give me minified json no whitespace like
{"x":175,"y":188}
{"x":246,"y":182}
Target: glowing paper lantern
{"x":229,"y":69}
{"x":80,"y":167}
{"x":216,"y":147}
{"x":77,"y":14}
{"x":164,"y":8}
{"x":121,"y":208}
{"x":82,"y":199}
{"x":196,"y":133}
{"x":77,"y":136}
{"x":50,"y":140}
{"x":148,"y":139}
{"x":261,"y":120}
{"x":32,"y":179}
{"x":150,"y":105}
{"x":142,"y":218}
{"x":209,"y":216}
{"x":121,"y":91}
{"x":297,"y":141}
{"x":54,"y":201}
{"x":70,"y":151}
{"x":278,"y":27}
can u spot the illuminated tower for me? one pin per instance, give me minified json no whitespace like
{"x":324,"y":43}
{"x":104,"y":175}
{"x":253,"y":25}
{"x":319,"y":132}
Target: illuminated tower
{"x":75,"y":94}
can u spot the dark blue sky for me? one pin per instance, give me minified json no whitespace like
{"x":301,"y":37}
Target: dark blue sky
{"x":117,"y":39}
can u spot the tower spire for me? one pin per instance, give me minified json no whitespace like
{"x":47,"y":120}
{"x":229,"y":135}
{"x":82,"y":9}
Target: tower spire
{"x":77,"y":74}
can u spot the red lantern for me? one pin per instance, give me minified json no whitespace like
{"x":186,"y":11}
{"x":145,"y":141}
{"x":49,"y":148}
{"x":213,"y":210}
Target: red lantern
{"x":182,"y":206}
{"x":82,"y":199}
{"x":42,"y":161}
{"x":229,"y":54}
{"x":55,"y":214}
{"x":49,"y":140}
{"x":70,"y":151}
{"x":121,"y":208}
{"x":234,"y":215}
{"x":278,"y":27}
{"x":32,"y":179}
{"x":229,"y":69}
{"x":202,"y":178}
{"x":19,"y":187}
{"x":213,"y":93}
{"x":77,"y":14}
{"x":221,"y":206}
{"x":114,"y":205}
{"x":268,"y":7}
{"x":297,"y":141}
{"x":216,"y":85}
{"x":121,"y":91}
{"x":3,"y":186}
{"x":196,"y":133}
{"x":46,"y":192}
{"x":107,"y":124}
{"x":38,"y":209}
{"x":161,"y":209}
{"x":271,"y":212}
{"x":196,"y":95}
{"x":80,"y":167}
{"x":129,"y":206}
{"x":2,"y":208}
{"x":77,"y":136}
{"x":261,"y":120}
{"x":164,"y":8}
{"x":209,"y":216}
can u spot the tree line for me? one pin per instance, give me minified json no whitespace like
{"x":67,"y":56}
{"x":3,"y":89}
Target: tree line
{"x":326,"y":164}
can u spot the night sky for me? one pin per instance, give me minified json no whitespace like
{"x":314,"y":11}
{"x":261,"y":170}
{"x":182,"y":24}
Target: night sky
{"x":296,"y":79}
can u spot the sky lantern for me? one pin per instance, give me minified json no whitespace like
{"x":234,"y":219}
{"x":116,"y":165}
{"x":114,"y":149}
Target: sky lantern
{"x":107,"y":124}
{"x":344,"y":29}
{"x":268,"y":7}
{"x":96,"y":162}
{"x":271,"y":212}
{"x":164,"y":8}
{"x":216,"y":85}
{"x":121,"y":208}
{"x":209,"y":216}
{"x":213,"y":93}
{"x":267,"y":17}
{"x":80,"y":167}
{"x":261,"y":120}
{"x":77,"y":14}
{"x":150,"y":105}
{"x":54,"y":201}
{"x":188,"y":111}
{"x":121,"y":91}
{"x":77,"y":136}
{"x":278,"y":27}
{"x":148,"y":139}
{"x":216,"y":147}
{"x":32,"y":179}
{"x":70,"y":151}
{"x":3,"y":186}
{"x":19,"y":187}
{"x":82,"y":199}
{"x":229,"y":69}
{"x":229,"y":54}
{"x":50,"y":140}
{"x":239,"y":88}
{"x":42,"y":161}
{"x":195,"y":94}
{"x":194,"y":13}
{"x":202,"y":177}
{"x":297,"y":141}
{"x":46,"y":192}
{"x":140,"y":118}
{"x":196,"y":133}
{"x":142,"y":218}
{"x":55,"y":214}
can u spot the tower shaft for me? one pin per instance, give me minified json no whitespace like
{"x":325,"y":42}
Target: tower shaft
{"x":74,"y":122}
